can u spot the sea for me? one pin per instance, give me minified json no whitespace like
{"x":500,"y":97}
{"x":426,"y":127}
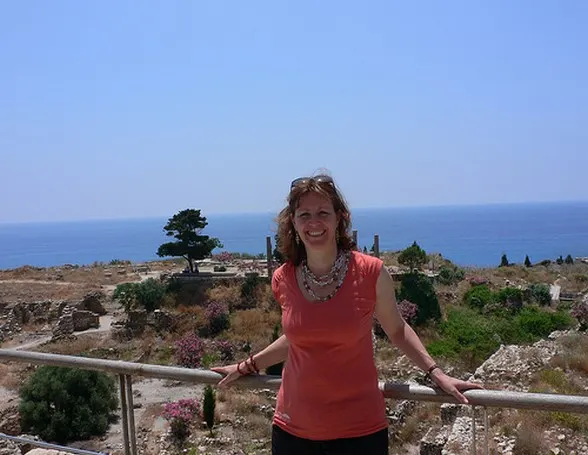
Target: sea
{"x":474,"y":236}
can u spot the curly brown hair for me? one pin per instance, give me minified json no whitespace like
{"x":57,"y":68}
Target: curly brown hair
{"x":286,"y":238}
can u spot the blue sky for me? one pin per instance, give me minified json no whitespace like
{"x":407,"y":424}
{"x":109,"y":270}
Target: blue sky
{"x":142,"y":108}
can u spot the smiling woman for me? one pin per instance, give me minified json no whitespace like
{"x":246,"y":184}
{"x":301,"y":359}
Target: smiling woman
{"x":329,"y":400}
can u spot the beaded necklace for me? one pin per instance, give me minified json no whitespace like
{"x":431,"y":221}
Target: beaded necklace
{"x":336,"y":274}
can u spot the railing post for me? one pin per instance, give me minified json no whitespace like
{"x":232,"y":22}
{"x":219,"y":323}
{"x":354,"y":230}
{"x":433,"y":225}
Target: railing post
{"x":125,"y":423}
{"x":487,"y":443}
{"x":268,"y":248}
{"x":131,"y":413}
{"x":474,"y":452}
{"x":376,"y":245}
{"x":354,"y":234}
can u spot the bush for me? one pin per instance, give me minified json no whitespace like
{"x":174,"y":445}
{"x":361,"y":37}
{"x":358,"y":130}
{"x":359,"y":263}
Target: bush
{"x":217,"y":315}
{"x":535,"y":323}
{"x":67,"y":404}
{"x":540,"y":294}
{"x":180,"y":414}
{"x":226,"y":350}
{"x":220,"y":268}
{"x":409,"y":311}
{"x":418,"y":288}
{"x":450,"y":275}
{"x":580,"y":312}
{"x":248,"y":289}
{"x":511,"y":298}
{"x":189,"y":351}
{"x":147,"y":294}
{"x":209,"y":407}
{"x":474,"y":337}
{"x":479,"y":297}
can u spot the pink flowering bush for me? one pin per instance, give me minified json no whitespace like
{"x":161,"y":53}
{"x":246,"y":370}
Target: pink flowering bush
{"x":477,"y":280}
{"x":408,"y":310}
{"x":580,"y":312}
{"x":180,"y":414}
{"x":189,"y":351}
{"x":217,"y":315}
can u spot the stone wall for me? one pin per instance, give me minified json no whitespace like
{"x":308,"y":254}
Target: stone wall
{"x":84,"y":320}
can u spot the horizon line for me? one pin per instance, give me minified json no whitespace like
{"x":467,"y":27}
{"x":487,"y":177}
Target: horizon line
{"x":267,"y":212}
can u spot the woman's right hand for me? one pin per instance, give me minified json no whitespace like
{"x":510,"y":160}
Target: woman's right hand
{"x":230,"y":373}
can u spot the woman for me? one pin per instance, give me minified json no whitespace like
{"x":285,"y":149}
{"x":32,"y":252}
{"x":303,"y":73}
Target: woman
{"x":329,"y":400}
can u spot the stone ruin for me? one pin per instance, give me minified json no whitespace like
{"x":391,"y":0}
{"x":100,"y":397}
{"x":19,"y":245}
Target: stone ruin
{"x":138,"y":320}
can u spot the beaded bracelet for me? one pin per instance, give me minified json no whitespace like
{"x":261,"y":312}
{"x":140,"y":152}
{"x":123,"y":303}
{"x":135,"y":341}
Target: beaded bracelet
{"x":253,"y":364}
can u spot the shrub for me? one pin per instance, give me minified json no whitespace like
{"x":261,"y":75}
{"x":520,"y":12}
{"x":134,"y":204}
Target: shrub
{"x":479,"y":297}
{"x":208,"y":407}
{"x":189,"y":351}
{"x":450,"y":275}
{"x":248,"y":289}
{"x":180,"y":414}
{"x":418,"y":288}
{"x":511,"y":298}
{"x":535,"y":323}
{"x":580,"y":312}
{"x":478,"y":280}
{"x":66,"y":404}
{"x":217,"y":315}
{"x":504,"y":261}
{"x":220,"y":268}
{"x":226,"y":350}
{"x":540,"y":294}
{"x":409,"y":311}
{"x":569,"y":259}
{"x":147,"y":294}
{"x":545,"y":262}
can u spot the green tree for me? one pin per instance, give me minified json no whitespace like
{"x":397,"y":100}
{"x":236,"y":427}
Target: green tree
{"x":560,"y":260}
{"x":186,"y":227}
{"x":504,"y":261}
{"x":66,"y":404}
{"x":569,"y":259}
{"x":275,"y":370}
{"x":209,"y":407}
{"x":414,"y":257}
{"x":418,"y":289}
{"x":365,"y":251}
{"x":528,"y":262}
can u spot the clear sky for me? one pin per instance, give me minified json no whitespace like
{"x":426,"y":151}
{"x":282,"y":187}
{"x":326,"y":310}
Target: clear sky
{"x":141,"y":108}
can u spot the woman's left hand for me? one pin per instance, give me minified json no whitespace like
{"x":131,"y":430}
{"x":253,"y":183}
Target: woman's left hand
{"x":453,"y":386}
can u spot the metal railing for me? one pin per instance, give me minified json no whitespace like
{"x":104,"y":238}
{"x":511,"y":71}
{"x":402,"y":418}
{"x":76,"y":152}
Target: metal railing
{"x":125,"y":370}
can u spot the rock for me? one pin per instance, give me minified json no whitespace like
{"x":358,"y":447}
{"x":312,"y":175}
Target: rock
{"x":8,"y":447}
{"x":449,"y":413}
{"x":434,"y":441}
{"x":92,"y":301}
{"x":10,"y":421}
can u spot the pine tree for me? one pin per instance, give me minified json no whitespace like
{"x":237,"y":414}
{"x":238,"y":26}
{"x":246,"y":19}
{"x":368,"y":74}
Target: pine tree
{"x":504,"y":261}
{"x":569,"y":259}
{"x":209,"y":407}
{"x":528,"y":262}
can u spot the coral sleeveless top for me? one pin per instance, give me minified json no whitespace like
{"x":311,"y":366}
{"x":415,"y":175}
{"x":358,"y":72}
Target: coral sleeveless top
{"x":329,"y":383}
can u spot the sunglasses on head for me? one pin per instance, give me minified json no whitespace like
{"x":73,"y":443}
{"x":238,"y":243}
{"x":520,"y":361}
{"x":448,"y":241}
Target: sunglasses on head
{"x":318,"y":179}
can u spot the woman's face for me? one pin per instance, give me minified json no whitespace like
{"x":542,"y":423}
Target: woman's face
{"x":315,"y":221}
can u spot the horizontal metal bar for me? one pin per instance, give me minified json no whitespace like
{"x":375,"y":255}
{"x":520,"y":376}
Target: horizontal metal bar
{"x":477,"y":397}
{"x":46,"y":445}
{"x":491,"y":398}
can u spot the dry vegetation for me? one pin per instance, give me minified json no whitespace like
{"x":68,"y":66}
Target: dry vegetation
{"x":11,"y":292}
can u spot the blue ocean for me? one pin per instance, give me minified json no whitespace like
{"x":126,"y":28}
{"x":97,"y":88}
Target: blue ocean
{"x":467,"y":235}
